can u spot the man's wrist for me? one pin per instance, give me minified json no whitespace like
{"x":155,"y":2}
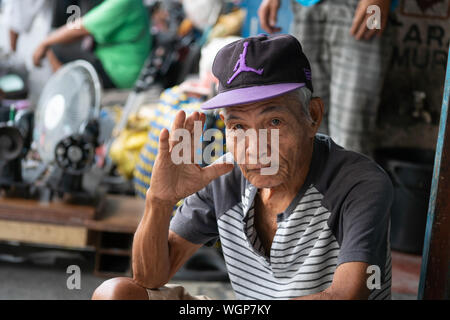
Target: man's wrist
{"x":157,"y":209}
{"x":152,"y":201}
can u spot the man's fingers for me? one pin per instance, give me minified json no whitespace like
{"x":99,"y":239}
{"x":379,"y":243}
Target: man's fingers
{"x":198,"y":124}
{"x":179,"y":120}
{"x":178,"y":123}
{"x":189,"y":123}
{"x":202,"y":118}
{"x":215,"y":170}
{"x":163,"y":141}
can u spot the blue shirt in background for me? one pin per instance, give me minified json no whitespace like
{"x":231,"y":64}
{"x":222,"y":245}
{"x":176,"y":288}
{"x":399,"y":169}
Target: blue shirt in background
{"x":308,"y":3}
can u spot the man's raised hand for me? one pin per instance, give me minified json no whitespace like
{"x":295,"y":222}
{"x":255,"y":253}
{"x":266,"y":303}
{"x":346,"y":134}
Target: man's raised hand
{"x":172,"y":182}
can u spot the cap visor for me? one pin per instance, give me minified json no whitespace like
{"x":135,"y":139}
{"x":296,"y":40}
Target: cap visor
{"x":249,"y":95}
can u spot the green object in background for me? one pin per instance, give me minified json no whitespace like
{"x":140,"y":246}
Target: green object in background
{"x":12,"y":113}
{"x":122,"y":35}
{"x":11,"y":83}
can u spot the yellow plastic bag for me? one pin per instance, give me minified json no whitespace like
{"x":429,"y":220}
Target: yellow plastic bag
{"x":127,"y":146}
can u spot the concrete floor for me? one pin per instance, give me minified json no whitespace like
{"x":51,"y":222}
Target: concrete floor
{"x":31,"y":282}
{"x":40,"y":274}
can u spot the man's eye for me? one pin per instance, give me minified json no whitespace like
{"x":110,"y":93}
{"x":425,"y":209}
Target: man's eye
{"x":275,"y":122}
{"x":238,"y":126}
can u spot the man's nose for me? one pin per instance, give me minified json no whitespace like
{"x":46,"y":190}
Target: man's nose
{"x":256,"y":149}
{"x":251,"y":150}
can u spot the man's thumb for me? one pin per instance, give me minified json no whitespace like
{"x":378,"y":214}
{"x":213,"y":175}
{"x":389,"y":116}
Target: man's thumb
{"x":215,"y":170}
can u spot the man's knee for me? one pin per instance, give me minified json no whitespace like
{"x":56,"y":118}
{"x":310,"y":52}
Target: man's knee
{"x":120,"y":289}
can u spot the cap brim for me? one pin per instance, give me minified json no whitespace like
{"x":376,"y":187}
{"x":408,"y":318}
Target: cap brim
{"x":249,"y":95}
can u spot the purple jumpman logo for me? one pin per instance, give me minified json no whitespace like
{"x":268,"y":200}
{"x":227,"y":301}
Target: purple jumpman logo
{"x":241,"y":66}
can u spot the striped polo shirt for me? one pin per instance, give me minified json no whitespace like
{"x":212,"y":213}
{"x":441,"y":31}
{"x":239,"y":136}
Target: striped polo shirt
{"x":341,"y":214}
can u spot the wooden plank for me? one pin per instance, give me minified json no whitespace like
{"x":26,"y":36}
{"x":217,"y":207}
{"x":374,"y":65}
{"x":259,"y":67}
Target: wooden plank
{"x":435,"y":272}
{"x":117,"y":213}
{"x":43,"y":233}
{"x":57,"y":211}
{"x":120,"y":214}
{"x":115,"y":252}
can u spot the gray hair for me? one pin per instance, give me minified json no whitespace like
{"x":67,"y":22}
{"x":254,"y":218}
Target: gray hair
{"x":302,"y":96}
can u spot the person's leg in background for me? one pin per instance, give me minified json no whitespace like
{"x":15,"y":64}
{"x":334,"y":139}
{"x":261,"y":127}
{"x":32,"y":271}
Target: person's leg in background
{"x":309,"y":27}
{"x":358,"y":70}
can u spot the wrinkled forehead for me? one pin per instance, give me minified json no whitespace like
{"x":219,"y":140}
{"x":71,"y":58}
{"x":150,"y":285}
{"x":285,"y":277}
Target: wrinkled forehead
{"x":278,"y":105}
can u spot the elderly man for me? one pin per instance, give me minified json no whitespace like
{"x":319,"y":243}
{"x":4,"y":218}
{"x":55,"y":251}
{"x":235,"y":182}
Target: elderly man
{"x":317,"y":228}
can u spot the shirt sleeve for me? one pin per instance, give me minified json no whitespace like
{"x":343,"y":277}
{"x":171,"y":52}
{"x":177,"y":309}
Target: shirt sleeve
{"x":21,"y":14}
{"x":365,"y":221}
{"x":195,"y":220}
{"x":105,"y":18}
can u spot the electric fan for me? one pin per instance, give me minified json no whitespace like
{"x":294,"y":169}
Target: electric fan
{"x":66,"y":126}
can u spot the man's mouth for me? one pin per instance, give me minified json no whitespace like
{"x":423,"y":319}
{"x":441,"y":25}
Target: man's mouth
{"x":256,"y":167}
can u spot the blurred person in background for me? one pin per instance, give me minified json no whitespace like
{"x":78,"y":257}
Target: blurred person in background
{"x":349,"y":57}
{"x":122,"y":42}
{"x":20,"y":16}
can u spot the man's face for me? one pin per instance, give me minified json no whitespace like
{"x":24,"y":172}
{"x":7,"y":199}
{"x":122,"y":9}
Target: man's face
{"x":294,"y":139}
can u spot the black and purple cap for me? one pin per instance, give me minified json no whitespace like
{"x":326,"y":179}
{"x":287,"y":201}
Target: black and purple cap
{"x":259,"y":68}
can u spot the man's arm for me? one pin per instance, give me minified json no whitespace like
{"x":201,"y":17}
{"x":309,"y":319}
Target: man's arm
{"x":158,"y":253}
{"x":349,"y":283}
{"x":65,"y":34}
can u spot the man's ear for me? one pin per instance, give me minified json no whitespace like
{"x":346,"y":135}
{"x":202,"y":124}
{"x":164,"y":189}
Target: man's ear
{"x":316,"y":110}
